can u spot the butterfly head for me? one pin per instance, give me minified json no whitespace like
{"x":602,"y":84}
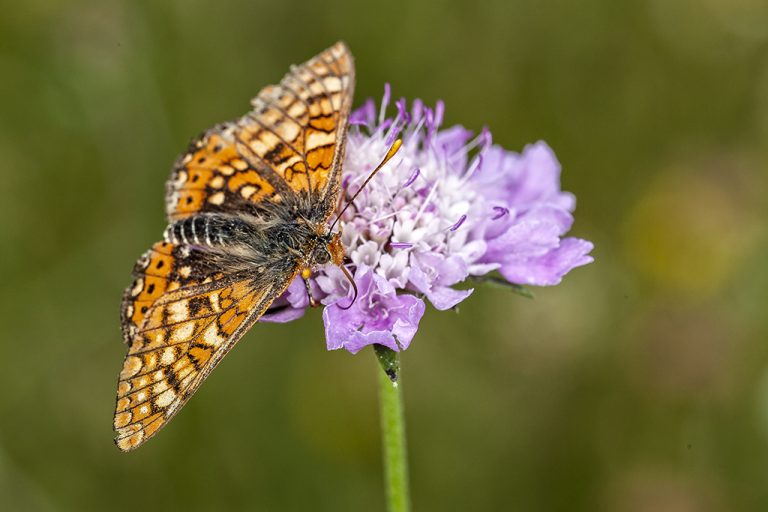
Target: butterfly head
{"x":328,"y":250}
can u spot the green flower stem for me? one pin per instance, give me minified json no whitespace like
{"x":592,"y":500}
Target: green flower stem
{"x":393,"y":430}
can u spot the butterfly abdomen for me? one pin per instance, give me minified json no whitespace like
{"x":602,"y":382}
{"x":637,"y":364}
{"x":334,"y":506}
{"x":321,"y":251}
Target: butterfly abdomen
{"x":210,"y":230}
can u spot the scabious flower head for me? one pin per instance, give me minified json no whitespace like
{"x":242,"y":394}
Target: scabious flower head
{"x":447,"y":206}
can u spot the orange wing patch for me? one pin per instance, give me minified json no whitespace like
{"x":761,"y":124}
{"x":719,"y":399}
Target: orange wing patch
{"x":182,"y":338}
{"x":214,"y":176}
{"x":157,"y":272}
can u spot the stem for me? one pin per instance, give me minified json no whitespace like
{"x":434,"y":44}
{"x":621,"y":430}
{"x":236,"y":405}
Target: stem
{"x":393,"y":430}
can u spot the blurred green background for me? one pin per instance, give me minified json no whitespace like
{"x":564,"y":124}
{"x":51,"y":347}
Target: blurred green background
{"x":640,"y":384}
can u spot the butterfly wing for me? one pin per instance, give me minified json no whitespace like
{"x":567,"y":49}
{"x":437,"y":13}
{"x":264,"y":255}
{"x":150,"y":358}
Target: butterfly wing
{"x":290,"y":144}
{"x":178,"y":329}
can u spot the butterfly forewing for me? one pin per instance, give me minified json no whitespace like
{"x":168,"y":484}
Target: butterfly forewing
{"x":193,"y":295}
{"x":290,"y":143}
{"x":184,"y":334}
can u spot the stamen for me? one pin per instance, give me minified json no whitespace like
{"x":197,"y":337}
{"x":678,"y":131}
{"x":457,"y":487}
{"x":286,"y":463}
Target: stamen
{"x":392,"y":150}
{"x":500,"y":212}
{"x":385,"y":102}
{"x":477,"y":163}
{"x":412,"y":177}
{"x":483,"y":138}
{"x":439,"y":112}
{"x":426,"y":202}
{"x":364,"y":116}
{"x":459,"y":223}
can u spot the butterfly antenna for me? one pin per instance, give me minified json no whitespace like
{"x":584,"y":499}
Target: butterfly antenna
{"x":354,"y":286}
{"x":392,"y":150}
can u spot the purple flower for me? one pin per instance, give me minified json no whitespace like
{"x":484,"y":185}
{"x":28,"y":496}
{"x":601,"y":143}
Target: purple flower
{"x":447,"y":206}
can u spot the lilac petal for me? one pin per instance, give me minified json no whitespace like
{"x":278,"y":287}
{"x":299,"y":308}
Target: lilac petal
{"x":336,"y":286}
{"x":355,"y":328}
{"x":407,"y":320}
{"x":538,"y":178}
{"x":549,"y":269}
{"x":290,"y":305}
{"x":445,"y":270}
{"x":281,"y":316}
{"x":445,"y":297}
{"x":531,"y":235}
{"x":433,"y":276}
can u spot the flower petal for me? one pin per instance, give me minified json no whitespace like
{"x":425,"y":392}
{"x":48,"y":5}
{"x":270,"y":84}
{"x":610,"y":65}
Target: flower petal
{"x":548,"y":269}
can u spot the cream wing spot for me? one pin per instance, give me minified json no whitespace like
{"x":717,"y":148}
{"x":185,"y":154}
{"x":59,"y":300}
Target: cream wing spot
{"x":181,"y":178}
{"x":169,"y":355}
{"x":183,"y":332}
{"x":291,"y":131}
{"x":239,"y":164}
{"x":332,"y":84}
{"x":211,"y":336}
{"x":247,"y":191}
{"x":297,"y":110}
{"x":178,"y":311}
{"x":214,"y":301}
{"x":138,"y":286}
{"x":316,"y":139}
{"x":217,"y":198}
{"x":165,"y":398}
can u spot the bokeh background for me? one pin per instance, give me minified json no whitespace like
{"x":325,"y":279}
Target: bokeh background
{"x":639,"y":384}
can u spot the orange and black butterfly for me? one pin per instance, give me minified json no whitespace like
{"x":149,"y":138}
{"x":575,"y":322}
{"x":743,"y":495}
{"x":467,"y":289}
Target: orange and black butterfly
{"x":248,"y":205}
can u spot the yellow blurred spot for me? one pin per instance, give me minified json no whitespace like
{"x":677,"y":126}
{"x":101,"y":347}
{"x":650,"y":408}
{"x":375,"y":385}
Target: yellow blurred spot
{"x":688,"y":232}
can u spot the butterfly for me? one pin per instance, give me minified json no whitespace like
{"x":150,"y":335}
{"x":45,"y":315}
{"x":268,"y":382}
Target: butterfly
{"x":248,"y":205}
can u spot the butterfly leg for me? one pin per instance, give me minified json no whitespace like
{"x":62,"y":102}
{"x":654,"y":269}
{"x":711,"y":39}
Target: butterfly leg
{"x":305,"y":275}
